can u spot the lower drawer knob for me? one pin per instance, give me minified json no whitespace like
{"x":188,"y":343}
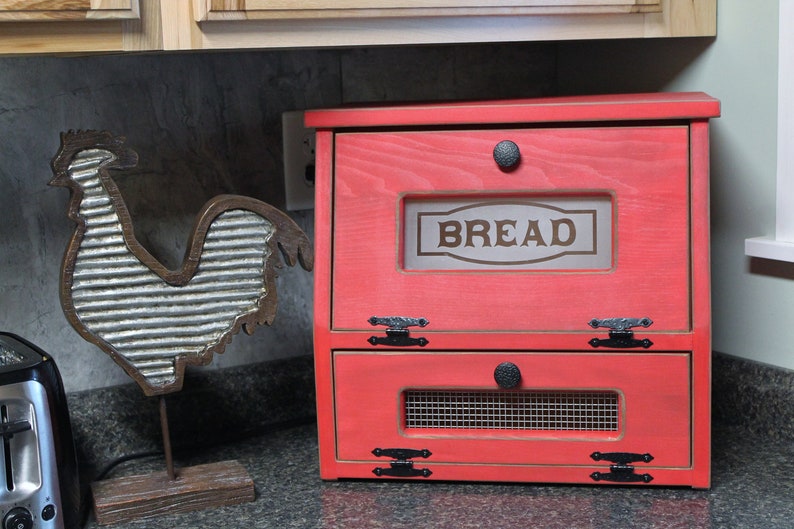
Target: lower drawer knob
{"x":507,"y":375}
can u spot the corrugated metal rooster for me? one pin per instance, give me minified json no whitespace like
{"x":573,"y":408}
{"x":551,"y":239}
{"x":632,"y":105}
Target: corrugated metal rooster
{"x":153,"y":321}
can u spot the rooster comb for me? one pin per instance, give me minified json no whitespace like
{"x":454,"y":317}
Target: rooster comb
{"x":74,"y":141}
{"x":102,"y":138}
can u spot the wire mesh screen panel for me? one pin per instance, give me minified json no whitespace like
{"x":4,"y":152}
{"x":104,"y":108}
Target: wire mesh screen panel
{"x":590,"y":411}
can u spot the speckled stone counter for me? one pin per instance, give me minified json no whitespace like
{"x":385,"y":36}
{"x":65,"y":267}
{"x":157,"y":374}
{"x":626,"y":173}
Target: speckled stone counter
{"x":752,"y":488}
{"x":752,"y":477}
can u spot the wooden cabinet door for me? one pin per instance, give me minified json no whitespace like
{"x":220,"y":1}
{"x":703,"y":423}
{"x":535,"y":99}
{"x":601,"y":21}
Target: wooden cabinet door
{"x":288,"y":23}
{"x":75,"y":26}
{"x":51,"y":10}
{"x":593,"y":223}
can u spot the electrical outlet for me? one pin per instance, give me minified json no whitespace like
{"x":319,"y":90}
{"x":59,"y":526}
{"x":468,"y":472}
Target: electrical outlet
{"x":298,"y":161}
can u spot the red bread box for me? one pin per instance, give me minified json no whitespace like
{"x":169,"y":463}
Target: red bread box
{"x":515,"y":290}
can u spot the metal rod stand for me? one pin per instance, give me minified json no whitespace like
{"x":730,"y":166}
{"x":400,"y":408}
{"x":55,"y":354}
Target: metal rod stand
{"x":169,"y":458}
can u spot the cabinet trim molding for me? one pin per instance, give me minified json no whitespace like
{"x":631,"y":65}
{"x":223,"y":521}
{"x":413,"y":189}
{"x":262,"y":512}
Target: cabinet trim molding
{"x":208,"y":10}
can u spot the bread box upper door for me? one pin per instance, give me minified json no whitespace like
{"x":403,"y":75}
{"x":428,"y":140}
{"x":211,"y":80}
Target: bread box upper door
{"x":589,"y":222}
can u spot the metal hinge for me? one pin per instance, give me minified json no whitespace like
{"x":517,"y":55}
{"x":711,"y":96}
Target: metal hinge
{"x":397,"y":333}
{"x":622,"y":471}
{"x":402,"y":466}
{"x":620,"y":335}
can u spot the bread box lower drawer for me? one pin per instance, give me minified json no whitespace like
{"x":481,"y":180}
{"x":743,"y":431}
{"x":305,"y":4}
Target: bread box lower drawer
{"x":565,"y":408}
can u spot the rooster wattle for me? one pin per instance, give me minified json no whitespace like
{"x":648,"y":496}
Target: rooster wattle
{"x":153,"y":321}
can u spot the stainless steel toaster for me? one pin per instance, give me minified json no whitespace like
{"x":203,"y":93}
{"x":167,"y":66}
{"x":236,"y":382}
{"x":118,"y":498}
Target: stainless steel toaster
{"x":39,"y":486}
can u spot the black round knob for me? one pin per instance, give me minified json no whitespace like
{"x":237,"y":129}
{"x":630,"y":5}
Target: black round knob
{"x":507,"y":375}
{"x":18,"y":518}
{"x":506,"y":154}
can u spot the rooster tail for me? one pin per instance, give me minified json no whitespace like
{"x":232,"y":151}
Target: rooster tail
{"x":296,"y":247}
{"x":268,"y":304}
{"x":292,"y":242}
{"x":288,"y":239}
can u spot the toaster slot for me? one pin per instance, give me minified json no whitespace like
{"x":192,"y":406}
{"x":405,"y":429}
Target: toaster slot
{"x":20,"y":460}
{"x":9,"y":428}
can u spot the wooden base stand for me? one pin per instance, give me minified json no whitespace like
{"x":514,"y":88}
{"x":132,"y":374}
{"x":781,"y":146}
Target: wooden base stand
{"x":194,"y":488}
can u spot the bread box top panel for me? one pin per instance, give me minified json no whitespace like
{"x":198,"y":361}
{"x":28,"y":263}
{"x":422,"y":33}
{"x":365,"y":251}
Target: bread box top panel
{"x":593,"y":223}
{"x":633,"y":107}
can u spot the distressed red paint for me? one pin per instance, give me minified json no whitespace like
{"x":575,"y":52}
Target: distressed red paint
{"x":646,"y":156}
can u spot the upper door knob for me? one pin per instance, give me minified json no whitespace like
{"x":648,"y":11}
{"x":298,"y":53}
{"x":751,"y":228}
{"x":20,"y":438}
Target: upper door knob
{"x":506,"y":154}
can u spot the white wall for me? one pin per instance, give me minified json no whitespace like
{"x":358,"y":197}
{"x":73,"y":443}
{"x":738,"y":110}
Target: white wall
{"x":753,"y":299}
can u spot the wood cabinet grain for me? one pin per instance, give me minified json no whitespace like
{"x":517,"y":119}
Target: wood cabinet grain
{"x":87,"y":26}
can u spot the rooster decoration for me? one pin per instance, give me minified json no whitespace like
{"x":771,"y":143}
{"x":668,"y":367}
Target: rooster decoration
{"x":153,"y":321}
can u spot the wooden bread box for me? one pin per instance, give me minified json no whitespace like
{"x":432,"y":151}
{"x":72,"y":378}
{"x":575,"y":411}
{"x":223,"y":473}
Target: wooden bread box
{"x":515,"y":290}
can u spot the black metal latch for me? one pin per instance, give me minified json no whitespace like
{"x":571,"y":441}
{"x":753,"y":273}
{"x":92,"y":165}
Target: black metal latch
{"x":397,"y":333}
{"x":622,"y":471}
{"x":402,"y":466}
{"x":620,"y":334}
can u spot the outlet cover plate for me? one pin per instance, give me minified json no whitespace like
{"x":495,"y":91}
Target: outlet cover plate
{"x":298,"y":161}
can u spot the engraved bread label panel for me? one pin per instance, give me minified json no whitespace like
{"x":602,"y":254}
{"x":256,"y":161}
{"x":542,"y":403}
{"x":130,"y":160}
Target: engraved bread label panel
{"x":541,"y":232}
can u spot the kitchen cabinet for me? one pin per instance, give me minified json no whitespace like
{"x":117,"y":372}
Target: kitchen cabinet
{"x":87,"y":26}
{"x":287,"y":23}
{"x":515,"y":290}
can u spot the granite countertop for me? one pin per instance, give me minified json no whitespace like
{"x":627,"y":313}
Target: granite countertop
{"x":262,"y":416}
{"x":752,"y":487}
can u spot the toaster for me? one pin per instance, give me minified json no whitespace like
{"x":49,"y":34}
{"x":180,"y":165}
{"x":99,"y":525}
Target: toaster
{"x":39,"y":485}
